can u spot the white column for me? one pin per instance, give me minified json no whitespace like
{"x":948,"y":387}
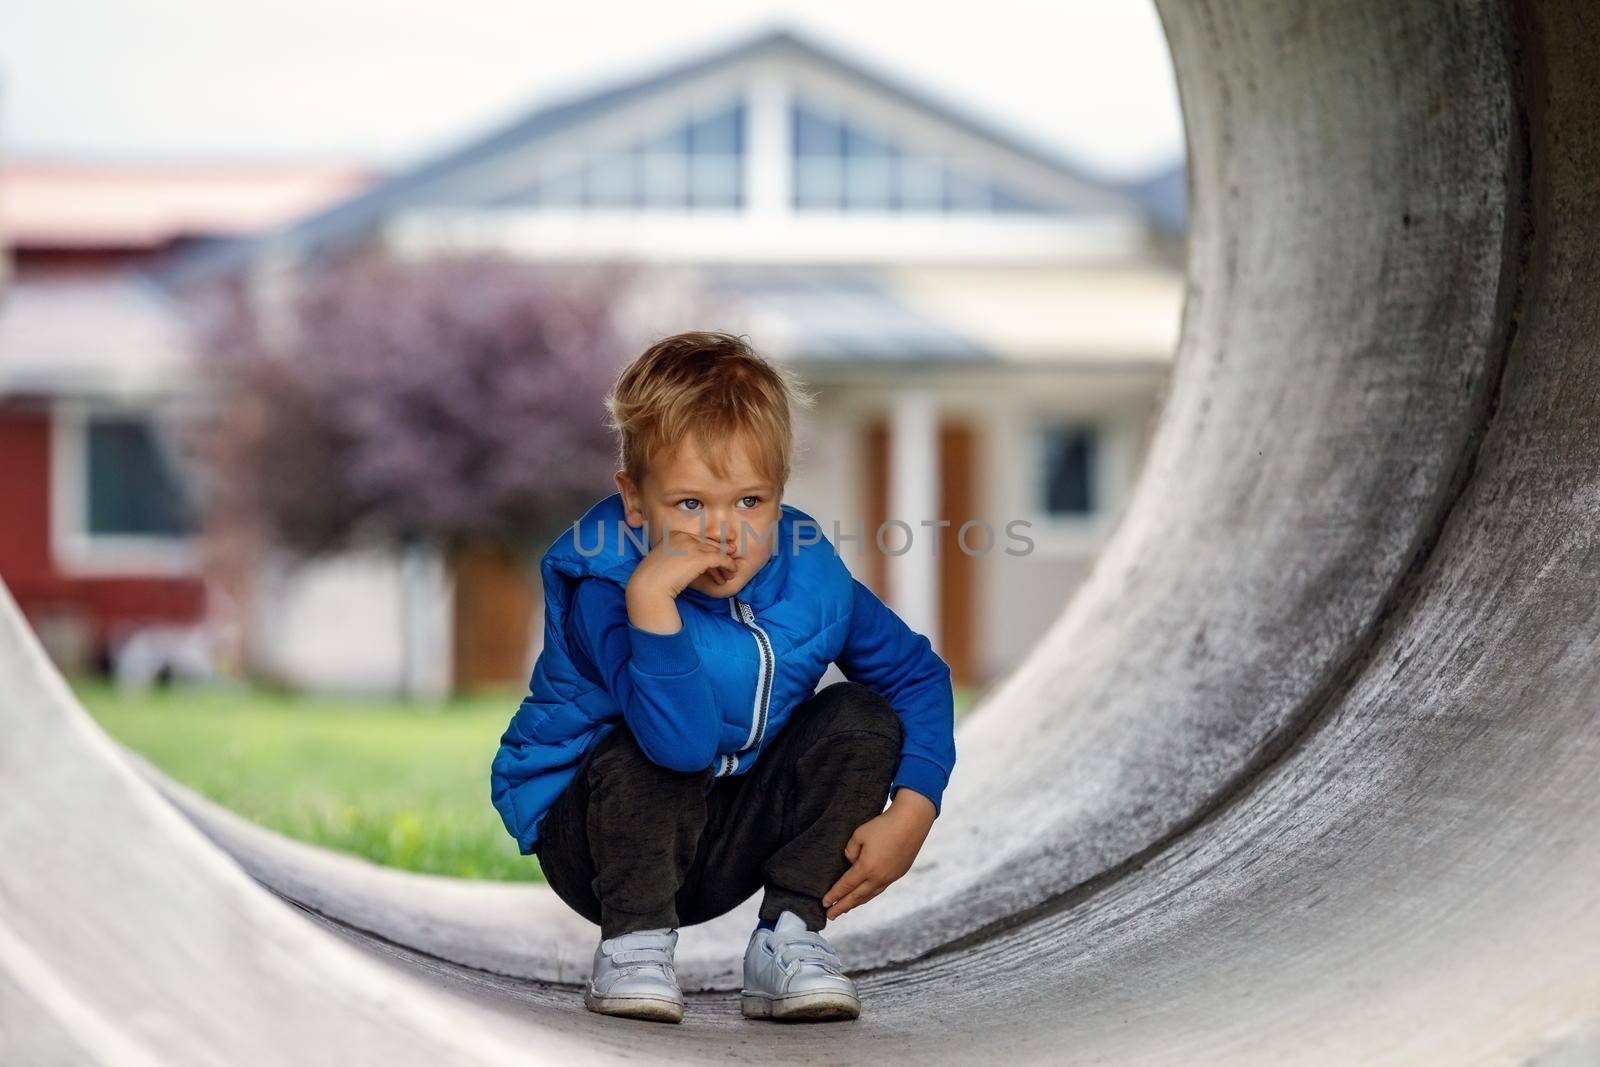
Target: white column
{"x":914,"y":498}
{"x":427,"y":623}
{"x":767,"y":137}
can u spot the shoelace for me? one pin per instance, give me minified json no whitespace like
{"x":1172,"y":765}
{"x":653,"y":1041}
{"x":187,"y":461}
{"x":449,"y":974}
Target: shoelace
{"x":808,"y":948}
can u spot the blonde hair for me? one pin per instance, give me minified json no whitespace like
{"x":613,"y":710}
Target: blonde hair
{"x":713,"y":385}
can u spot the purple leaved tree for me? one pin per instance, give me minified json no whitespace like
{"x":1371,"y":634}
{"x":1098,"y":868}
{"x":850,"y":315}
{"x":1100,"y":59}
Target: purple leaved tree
{"x":453,"y":404}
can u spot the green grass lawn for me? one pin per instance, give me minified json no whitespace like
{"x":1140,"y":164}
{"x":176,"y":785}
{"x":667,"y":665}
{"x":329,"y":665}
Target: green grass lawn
{"x":403,"y":786}
{"x":406,"y":786}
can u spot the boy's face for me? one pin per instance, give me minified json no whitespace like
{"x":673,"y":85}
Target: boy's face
{"x":681,"y":493}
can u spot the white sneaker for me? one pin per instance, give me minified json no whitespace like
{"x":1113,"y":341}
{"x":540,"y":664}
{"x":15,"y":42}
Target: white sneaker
{"x":634,"y":976}
{"x":790,"y":972}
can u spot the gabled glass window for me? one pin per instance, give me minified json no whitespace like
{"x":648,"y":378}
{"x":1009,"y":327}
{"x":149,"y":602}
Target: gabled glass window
{"x":843,"y":165}
{"x":697,"y":163}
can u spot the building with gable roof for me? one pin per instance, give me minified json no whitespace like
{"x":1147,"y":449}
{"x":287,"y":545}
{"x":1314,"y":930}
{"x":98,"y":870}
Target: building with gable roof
{"x":988,"y":329}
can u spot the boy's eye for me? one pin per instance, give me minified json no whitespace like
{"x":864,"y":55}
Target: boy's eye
{"x":696,"y":500}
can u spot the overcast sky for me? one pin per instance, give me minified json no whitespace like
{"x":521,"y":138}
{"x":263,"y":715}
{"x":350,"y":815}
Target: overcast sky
{"x":389,"y":82}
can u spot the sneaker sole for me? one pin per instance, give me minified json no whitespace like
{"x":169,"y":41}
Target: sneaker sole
{"x":800,"y":1007}
{"x":655,"y":1009}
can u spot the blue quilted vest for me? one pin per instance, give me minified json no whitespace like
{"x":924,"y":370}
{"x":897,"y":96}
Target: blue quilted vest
{"x":766,"y":648}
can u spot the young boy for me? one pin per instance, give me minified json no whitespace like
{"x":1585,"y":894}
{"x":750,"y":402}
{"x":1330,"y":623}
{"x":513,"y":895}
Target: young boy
{"x":671,"y":757}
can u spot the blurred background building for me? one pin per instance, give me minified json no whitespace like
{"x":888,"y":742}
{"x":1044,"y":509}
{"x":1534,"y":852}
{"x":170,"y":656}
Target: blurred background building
{"x":98,"y":542}
{"x":988,"y":329}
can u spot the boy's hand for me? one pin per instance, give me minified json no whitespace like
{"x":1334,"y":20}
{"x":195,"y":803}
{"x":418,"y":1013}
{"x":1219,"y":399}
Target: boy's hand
{"x":666,"y":570}
{"x":880,"y":851}
{"x":678,"y":559}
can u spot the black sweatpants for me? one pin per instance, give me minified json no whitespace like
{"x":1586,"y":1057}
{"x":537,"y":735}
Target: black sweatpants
{"x":632,"y":845}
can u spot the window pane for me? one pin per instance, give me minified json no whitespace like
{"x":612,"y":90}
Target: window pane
{"x":133,"y":488}
{"x":965,"y":193}
{"x":674,"y":142}
{"x":719,"y":134}
{"x":921,"y":181}
{"x":562,"y":182}
{"x":859,"y":144}
{"x":715,"y":181}
{"x":815,"y":135}
{"x":868,"y":183}
{"x":611,"y":180}
{"x":819,"y":182}
{"x":1067,"y":463}
{"x":666,"y":180}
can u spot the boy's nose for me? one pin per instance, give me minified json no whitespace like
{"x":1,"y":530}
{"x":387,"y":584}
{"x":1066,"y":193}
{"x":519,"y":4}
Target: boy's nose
{"x":728,"y":534}
{"x":720,"y":529}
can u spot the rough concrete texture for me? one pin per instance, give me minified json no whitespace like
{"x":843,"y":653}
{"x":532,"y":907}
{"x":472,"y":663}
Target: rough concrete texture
{"x":1308,"y":772}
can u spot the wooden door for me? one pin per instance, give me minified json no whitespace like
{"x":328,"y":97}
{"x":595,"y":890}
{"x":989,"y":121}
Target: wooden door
{"x":495,"y":601}
{"x":959,"y":604}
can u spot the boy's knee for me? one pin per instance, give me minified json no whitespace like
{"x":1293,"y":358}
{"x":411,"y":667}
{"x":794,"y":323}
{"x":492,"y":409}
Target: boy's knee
{"x":856,"y":708}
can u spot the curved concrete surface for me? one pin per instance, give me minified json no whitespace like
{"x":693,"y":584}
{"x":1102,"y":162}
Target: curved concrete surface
{"x":1309,"y":770}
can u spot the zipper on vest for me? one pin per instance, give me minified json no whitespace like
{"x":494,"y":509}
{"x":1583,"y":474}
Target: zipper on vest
{"x":763,"y":700}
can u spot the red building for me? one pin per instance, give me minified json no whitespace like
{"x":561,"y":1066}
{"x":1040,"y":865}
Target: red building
{"x":98,"y":536}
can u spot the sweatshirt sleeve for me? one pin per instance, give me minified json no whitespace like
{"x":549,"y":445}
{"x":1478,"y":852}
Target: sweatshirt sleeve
{"x":884,"y":654}
{"x":656,"y":679}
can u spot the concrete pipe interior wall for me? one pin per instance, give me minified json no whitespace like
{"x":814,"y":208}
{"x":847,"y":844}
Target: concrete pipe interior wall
{"x":1309,"y":771}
